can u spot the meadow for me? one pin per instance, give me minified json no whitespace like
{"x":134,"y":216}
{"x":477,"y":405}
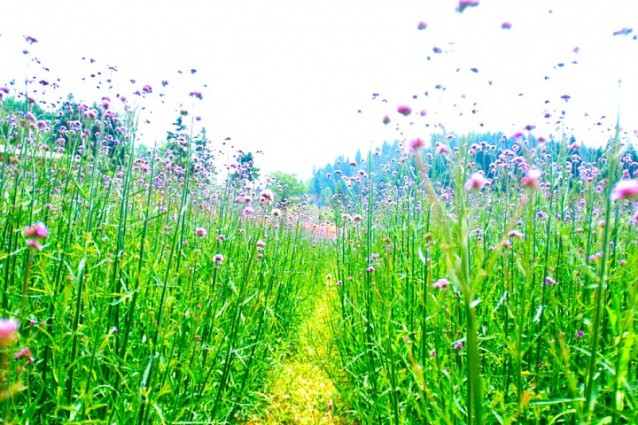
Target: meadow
{"x":466,"y":282}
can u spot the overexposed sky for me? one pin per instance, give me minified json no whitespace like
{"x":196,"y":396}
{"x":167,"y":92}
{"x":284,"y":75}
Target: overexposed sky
{"x":289,"y":77}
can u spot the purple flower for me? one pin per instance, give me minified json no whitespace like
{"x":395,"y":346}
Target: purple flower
{"x":201,"y":232}
{"x":218,"y":259}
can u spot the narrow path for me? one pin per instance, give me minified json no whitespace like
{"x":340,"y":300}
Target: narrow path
{"x":300,"y":391}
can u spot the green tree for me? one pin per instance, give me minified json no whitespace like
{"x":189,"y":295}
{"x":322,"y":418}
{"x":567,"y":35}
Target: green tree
{"x":287,"y":186}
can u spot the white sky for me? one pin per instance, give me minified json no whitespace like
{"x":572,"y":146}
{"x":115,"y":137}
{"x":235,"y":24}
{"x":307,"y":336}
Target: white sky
{"x":288,"y":76}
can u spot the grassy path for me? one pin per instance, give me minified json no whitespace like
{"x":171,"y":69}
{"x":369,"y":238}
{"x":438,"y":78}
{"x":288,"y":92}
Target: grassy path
{"x":300,"y":391}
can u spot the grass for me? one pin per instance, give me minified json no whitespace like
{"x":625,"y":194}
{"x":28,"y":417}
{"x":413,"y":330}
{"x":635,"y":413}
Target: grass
{"x":149,"y":292}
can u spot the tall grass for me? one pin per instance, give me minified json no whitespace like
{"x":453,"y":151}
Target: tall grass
{"x":493,"y":305}
{"x":153,"y":299}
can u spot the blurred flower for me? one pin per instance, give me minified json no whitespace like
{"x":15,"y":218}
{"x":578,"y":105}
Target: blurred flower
{"x":247,"y":211}
{"x":476,"y":182}
{"x":8,"y":332}
{"x":386,"y":120}
{"x":422,"y":25}
{"x":38,"y":231}
{"x":24,"y":353}
{"x":531,"y":179}
{"x":416,"y":143}
{"x":580,"y":334}
{"x":201,"y":232}
{"x":625,"y":189}
{"x":506,"y":25}
{"x":196,"y":94}
{"x":218,"y":259}
{"x":441,"y":283}
{"x":458,"y":345}
{"x":404,"y":110}
{"x":464,"y":4}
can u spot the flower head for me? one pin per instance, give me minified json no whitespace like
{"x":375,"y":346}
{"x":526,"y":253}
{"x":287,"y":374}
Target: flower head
{"x":625,"y":189}
{"x":476,"y":182}
{"x":218,"y":259}
{"x":8,"y":332}
{"x":404,"y":110}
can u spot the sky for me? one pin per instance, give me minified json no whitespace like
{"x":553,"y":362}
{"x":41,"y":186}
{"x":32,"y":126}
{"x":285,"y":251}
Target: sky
{"x":295,"y":78}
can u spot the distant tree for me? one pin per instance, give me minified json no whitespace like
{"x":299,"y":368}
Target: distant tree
{"x":245,"y":168}
{"x":287,"y":187}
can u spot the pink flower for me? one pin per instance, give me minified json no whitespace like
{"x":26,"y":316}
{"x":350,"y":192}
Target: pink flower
{"x":422,"y":25}
{"x":147,"y":89}
{"x":441,"y":283}
{"x":416,"y":143}
{"x":276,"y":212}
{"x":404,"y":110}
{"x":625,"y":189}
{"x":476,"y":182}
{"x":24,"y":353}
{"x":37,"y":231}
{"x":196,"y":94}
{"x":441,"y":149}
{"x":201,"y":232}
{"x":370,"y":269}
{"x":506,"y":25}
{"x":458,"y":345}
{"x":218,"y":259}
{"x":386,"y":120}
{"x":266,"y":196}
{"x":247,"y":211}
{"x":531,"y":179}
{"x":8,"y":332}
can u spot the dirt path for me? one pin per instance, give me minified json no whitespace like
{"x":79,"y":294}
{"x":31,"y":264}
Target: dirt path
{"x":301,"y":392}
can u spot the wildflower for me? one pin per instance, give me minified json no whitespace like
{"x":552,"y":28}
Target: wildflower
{"x":34,"y":234}
{"x":357,"y":218}
{"x":196,"y":94}
{"x":218,"y":259}
{"x":464,"y":4}
{"x":24,"y":353}
{"x":386,"y":120}
{"x":417,"y":143}
{"x":476,"y":182}
{"x":580,"y":334}
{"x":404,"y":110}
{"x":531,"y":179}
{"x":422,"y":25}
{"x":441,"y":283}
{"x":247,"y":211}
{"x":221,"y":238}
{"x":442,"y":149}
{"x":506,"y":25}
{"x":266,"y":196}
{"x":147,"y":89}
{"x":634,"y":218}
{"x":550,"y":281}
{"x":8,"y":331}
{"x":514,"y":234}
{"x":625,"y":189}
{"x":370,"y":269}
{"x":36,"y":231}
{"x":201,"y":232}
{"x":433,"y":352}
{"x":458,"y":345}
{"x":276,"y":212}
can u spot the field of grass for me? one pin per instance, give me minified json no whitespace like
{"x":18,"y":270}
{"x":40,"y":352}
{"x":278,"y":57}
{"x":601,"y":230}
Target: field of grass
{"x":140,"y":288}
